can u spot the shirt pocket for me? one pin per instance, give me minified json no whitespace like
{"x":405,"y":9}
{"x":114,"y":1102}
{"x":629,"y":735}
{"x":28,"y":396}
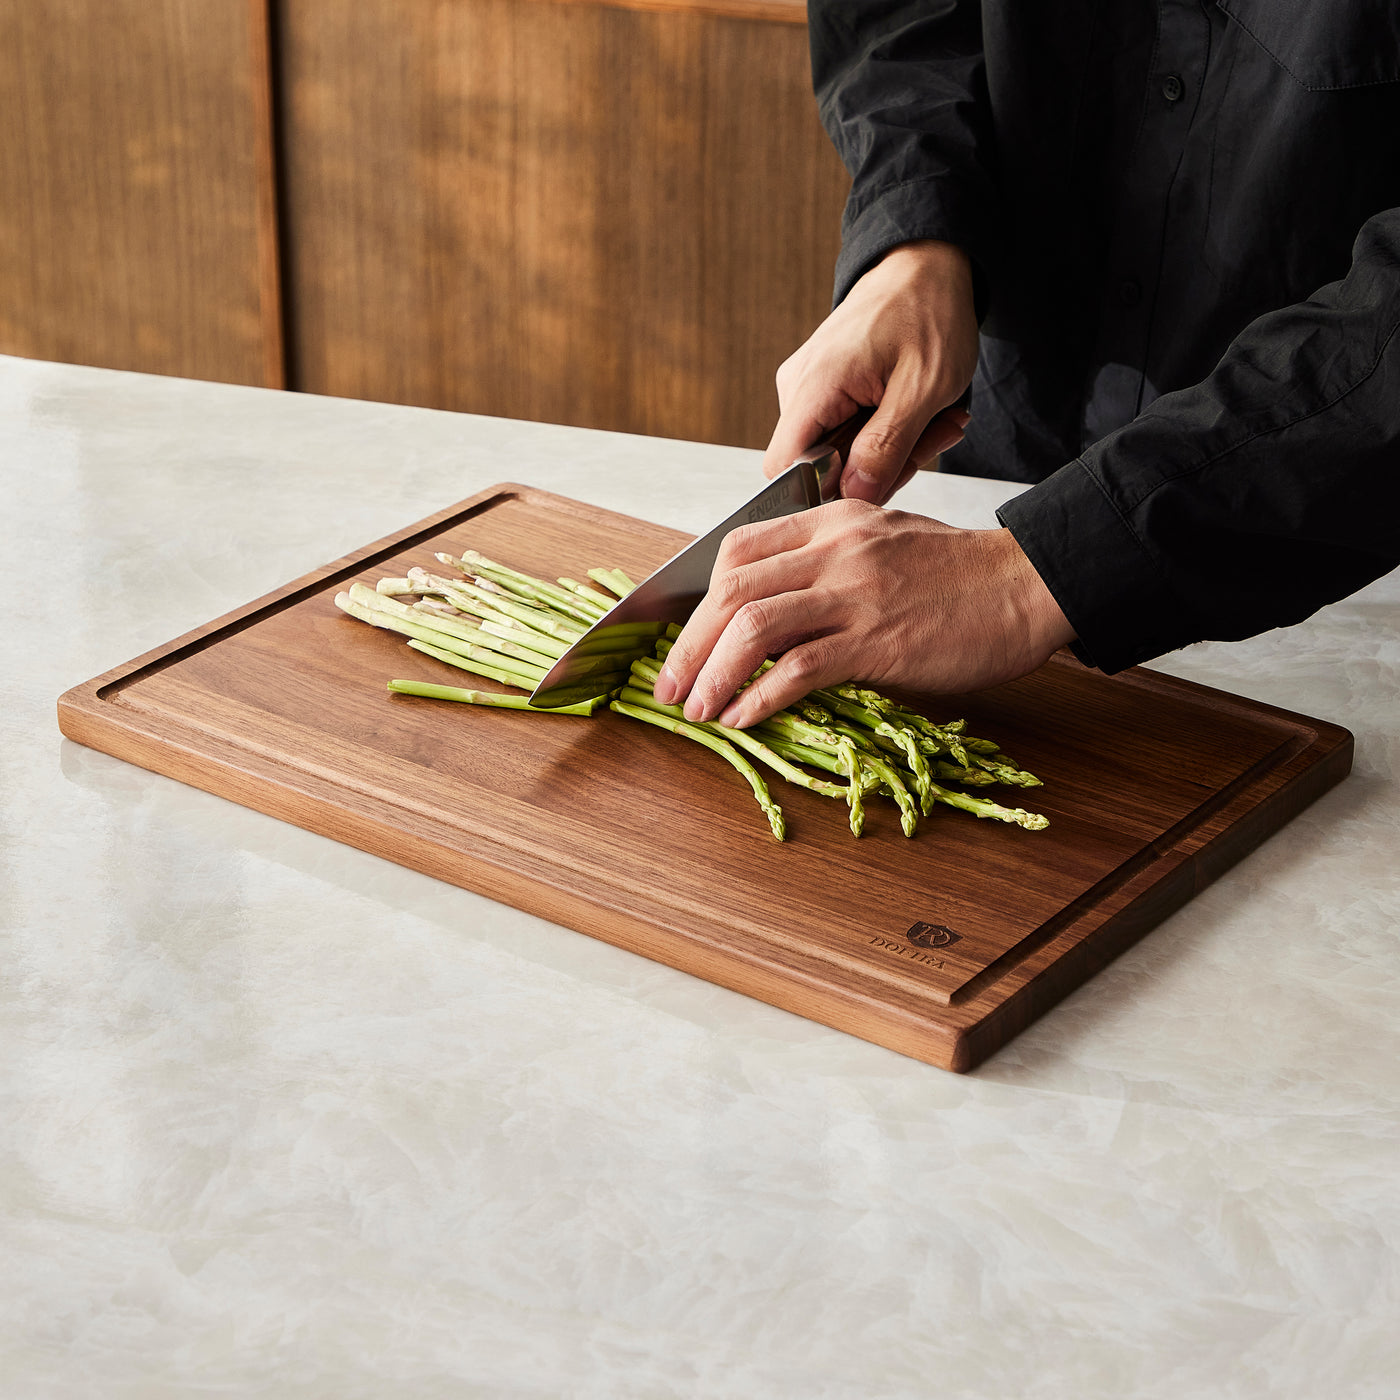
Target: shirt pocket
{"x":1325,"y":45}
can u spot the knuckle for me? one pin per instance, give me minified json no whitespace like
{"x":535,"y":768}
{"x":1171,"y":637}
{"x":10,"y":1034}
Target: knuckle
{"x":728,"y":590}
{"x":882,"y":442}
{"x":808,"y":663}
{"x":750,"y":623}
{"x":678,"y":659}
{"x":735,"y":548}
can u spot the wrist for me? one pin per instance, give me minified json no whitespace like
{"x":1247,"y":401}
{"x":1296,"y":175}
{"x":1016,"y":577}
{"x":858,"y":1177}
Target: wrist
{"x":1037,"y":619}
{"x":945,"y":263}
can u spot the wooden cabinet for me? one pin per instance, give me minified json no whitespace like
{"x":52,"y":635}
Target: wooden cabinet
{"x":137,"y":225}
{"x":611,"y":215}
{"x":586,"y":213}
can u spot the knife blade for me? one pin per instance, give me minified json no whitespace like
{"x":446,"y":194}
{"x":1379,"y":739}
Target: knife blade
{"x":629,"y":629}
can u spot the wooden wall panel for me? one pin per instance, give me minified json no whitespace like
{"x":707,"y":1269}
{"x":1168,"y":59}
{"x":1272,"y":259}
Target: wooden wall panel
{"x":607,"y":216}
{"x":137,"y":221}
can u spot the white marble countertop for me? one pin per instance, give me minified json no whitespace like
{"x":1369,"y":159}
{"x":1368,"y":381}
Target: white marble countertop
{"x":282,"y":1119}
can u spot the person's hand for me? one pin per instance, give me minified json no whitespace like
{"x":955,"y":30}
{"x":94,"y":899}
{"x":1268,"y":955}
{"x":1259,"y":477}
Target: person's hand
{"x":905,"y":339}
{"x":850,"y":592}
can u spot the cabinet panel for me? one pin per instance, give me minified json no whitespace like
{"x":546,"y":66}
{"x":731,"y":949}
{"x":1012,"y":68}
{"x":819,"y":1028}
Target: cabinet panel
{"x":137,"y":225}
{"x":616,"y":217}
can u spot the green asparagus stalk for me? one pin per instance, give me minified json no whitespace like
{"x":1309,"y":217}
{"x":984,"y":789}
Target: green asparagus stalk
{"x":614,"y":579}
{"x":985,"y":807}
{"x":533,"y":590}
{"x":462,"y":663}
{"x":525,"y":674}
{"x":881,"y":723}
{"x":602,"y":601}
{"x":452,"y":624}
{"x":720,"y":746}
{"x":537,"y":618}
{"x":491,"y":698}
{"x":548,"y":647}
{"x":641,"y":695}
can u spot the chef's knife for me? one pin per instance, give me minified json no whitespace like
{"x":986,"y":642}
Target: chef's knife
{"x":674,"y":591}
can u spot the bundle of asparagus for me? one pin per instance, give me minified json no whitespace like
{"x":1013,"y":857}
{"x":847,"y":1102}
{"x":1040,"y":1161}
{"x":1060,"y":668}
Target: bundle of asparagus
{"x":510,"y":627}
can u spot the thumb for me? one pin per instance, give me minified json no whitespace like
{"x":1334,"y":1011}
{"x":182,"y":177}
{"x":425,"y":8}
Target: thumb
{"x":881,"y":451}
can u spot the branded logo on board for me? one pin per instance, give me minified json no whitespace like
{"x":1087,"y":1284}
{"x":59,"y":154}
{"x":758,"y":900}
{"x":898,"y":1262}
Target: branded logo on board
{"x":923,"y":935}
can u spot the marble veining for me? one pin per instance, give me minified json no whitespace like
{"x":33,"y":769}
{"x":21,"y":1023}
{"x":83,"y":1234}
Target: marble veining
{"x":283,"y":1119}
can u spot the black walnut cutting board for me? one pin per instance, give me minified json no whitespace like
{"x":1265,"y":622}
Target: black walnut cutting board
{"x":942,"y":947}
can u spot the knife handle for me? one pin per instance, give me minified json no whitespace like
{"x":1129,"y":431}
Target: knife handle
{"x":828,"y":458}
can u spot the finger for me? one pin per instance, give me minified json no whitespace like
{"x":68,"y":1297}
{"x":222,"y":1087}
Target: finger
{"x":730,"y":591}
{"x":883,"y":447}
{"x":747,"y":544}
{"x":807,"y":420}
{"x":944,"y":432}
{"x":807,"y":667}
{"x":759,"y":628}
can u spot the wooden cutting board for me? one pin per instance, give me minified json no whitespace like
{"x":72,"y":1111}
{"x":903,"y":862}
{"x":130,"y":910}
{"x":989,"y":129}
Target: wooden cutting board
{"x":941,"y":947}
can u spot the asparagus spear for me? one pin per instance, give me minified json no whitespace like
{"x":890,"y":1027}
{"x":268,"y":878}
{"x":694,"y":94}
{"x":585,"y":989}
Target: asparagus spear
{"x":477,"y":668}
{"x":614,"y":579}
{"x":985,"y":807}
{"x":884,"y":726}
{"x":535,"y":590}
{"x":720,"y":746}
{"x":524,"y":674}
{"x":641,"y":695}
{"x":491,"y":698}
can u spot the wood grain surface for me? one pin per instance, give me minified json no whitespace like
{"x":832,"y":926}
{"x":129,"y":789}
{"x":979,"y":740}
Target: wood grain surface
{"x":601,"y":215}
{"x":137,"y":220}
{"x":1153,"y":786}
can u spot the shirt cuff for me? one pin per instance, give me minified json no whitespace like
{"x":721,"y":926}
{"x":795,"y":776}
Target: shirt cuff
{"x":1098,"y":571}
{"x":931,"y":208}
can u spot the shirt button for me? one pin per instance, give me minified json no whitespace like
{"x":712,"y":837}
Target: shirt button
{"x":1129,"y":292}
{"x":1172,"y":88}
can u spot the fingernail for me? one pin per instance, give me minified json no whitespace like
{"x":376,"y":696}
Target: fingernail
{"x":665,"y":687}
{"x":731,"y":716}
{"x":857,"y":486}
{"x":694,"y":710}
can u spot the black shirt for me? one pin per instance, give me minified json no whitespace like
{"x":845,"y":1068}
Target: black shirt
{"x":1183,"y":219}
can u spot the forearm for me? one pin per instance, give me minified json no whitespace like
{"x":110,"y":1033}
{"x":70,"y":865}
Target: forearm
{"x":1247,"y":501}
{"x":902,"y":92}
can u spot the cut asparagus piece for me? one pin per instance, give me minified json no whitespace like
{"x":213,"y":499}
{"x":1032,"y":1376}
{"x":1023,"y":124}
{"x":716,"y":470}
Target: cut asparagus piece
{"x":533,"y":590}
{"x":538,"y":618}
{"x":462,"y":663}
{"x":524,"y":674}
{"x":451,"y":624}
{"x":602,"y":600}
{"x":855,"y":783}
{"x":548,"y":647}
{"x":491,"y":698}
{"x":726,"y":751}
{"x":614,"y":579}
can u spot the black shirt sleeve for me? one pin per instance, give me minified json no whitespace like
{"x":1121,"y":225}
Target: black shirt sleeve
{"x":901,"y":88}
{"x":1246,"y":501}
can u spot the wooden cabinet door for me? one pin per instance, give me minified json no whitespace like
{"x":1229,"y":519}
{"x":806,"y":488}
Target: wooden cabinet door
{"x":588,"y":213}
{"x":137,"y":225}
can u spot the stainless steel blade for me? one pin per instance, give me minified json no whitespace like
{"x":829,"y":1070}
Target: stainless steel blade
{"x":674,"y":591}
